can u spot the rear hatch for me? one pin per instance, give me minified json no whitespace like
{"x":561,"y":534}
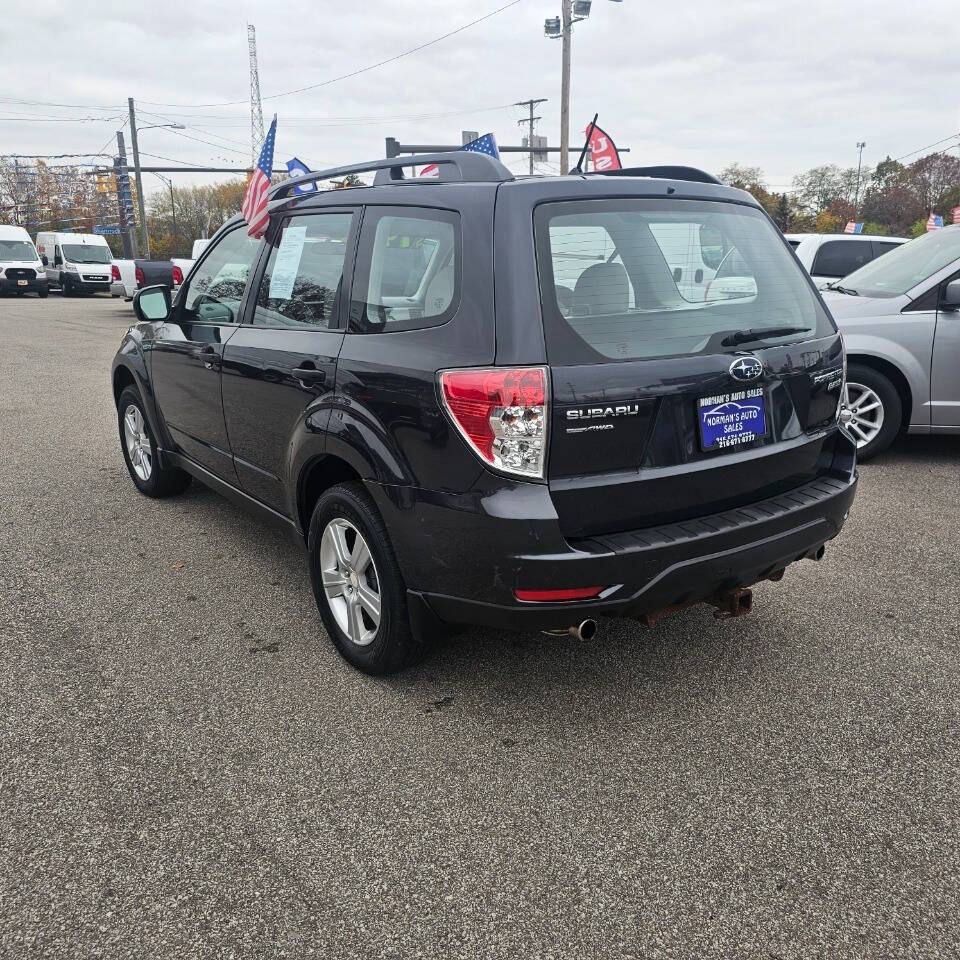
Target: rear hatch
{"x":681,"y":385}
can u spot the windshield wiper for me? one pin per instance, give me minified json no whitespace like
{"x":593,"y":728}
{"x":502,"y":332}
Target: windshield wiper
{"x":758,"y":333}
{"x":847,"y":290}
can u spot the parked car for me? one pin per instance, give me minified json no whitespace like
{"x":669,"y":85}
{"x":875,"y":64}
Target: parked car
{"x":829,"y":257}
{"x":900,"y":322}
{"x":486,"y":401}
{"x":21,"y":269}
{"x":75,"y":262}
{"x":128,"y":276}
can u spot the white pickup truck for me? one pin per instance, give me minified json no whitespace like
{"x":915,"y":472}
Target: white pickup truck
{"x":186,"y":265}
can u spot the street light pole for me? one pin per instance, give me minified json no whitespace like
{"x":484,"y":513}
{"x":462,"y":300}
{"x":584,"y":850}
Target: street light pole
{"x":856,"y":196}
{"x":567,"y":25}
{"x":136,"y":168}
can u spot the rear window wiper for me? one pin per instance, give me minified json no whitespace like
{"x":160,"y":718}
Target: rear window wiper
{"x":758,"y":333}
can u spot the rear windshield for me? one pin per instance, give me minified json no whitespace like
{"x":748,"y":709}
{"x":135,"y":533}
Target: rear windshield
{"x":633,"y":279}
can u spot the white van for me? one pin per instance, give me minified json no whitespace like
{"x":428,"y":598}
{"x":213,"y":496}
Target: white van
{"x":21,"y":270}
{"x":76,"y":262}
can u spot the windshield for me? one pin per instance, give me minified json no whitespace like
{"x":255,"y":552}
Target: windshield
{"x":633,"y":279}
{"x":13,"y":250}
{"x":903,"y":268}
{"x":86,"y":253}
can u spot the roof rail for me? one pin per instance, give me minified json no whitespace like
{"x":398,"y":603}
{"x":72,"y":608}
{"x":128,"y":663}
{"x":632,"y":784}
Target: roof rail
{"x":663,"y":173}
{"x":469,"y":167}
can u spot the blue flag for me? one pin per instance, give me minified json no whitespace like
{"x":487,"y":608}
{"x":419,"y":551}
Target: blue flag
{"x":297,"y":168}
{"x":486,"y":144}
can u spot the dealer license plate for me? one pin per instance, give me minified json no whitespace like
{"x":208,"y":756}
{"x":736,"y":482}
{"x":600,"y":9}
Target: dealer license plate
{"x":732,"y":419}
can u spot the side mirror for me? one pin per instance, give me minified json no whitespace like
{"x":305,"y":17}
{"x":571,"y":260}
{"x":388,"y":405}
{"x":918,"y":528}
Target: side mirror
{"x":57,"y":262}
{"x":951,"y":296}
{"x":152,"y":303}
{"x":45,"y":261}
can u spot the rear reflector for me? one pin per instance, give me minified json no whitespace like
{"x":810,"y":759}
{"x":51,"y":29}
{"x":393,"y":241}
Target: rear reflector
{"x":558,"y":596}
{"x":502,"y":413}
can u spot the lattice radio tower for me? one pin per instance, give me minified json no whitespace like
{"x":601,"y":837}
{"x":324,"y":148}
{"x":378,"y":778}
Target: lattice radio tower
{"x":256,"y":110}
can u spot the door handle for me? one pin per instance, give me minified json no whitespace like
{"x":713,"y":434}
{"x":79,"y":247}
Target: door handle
{"x":310,"y":376}
{"x":210,"y":357}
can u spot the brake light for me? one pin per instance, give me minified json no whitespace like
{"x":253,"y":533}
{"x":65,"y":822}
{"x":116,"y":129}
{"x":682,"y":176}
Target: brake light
{"x":138,"y":274}
{"x":502,"y":413}
{"x":177,"y":276}
{"x":554,"y":596}
{"x":114,"y":272}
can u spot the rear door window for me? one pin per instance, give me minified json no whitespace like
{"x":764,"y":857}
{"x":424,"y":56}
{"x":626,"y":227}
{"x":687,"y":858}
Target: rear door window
{"x":613,"y":280}
{"x":837,"y":258}
{"x":408,"y":269}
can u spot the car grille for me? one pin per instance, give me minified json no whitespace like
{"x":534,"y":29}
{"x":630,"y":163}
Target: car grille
{"x":20,"y":273}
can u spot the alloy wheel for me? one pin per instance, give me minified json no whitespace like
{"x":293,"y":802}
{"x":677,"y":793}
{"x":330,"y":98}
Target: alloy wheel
{"x":350,"y":581}
{"x":138,"y":442}
{"x":862,"y":413}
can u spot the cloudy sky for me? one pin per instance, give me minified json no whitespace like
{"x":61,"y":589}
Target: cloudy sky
{"x":776,"y":85}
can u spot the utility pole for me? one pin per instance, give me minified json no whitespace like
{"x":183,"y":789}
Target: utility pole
{"x":567,"y":25}
{"x":130,"y":250}
{"x":856,"y":196}
{"x":530,"y":104}
{"x":138,"y":178}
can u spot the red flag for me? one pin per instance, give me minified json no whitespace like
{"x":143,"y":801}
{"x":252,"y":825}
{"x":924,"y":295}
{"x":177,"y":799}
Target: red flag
{"x":603,"y":150}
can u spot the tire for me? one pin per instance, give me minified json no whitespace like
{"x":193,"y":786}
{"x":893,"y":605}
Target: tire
{"x":345,"y":514}
{"x":149,"y":475}
{"x":66,"y":289}
{"x":42,"y":293}
{"x":873,"y":427}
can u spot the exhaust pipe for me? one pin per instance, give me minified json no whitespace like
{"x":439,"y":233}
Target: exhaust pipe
{"x":585,"y":630}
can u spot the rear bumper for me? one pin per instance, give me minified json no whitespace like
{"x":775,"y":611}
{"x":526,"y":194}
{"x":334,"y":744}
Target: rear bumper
{"x":463,"y":560}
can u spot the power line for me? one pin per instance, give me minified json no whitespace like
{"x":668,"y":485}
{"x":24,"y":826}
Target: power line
{"x":353,"y":73}
{"x":952,"y":136}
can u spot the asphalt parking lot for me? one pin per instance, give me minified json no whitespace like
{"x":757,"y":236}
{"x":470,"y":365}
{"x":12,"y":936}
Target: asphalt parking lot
{"x":190,"y":770}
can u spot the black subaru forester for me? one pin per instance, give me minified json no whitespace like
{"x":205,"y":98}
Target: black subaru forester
{"x":516,"y":402}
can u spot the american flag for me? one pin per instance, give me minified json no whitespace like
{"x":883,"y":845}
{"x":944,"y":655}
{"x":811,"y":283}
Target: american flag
{"x":956,"y":214}
{"x":853,"y":227}
{"x":486,"y":144}
{"x":934,"y":222}
{"x":254,"y":207}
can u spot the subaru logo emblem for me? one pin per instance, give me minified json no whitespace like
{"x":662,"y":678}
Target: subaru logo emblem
{"x":746,"y":368}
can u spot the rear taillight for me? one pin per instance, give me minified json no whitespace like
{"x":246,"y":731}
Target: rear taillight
{"x":502,"y":412}
{"x":177,"y":276}
{"x":114,"y":272}
{"x":138,"y":274}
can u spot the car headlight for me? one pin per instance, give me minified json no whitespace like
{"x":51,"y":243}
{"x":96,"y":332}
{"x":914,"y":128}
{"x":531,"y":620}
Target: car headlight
{"x":70,"y":268}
